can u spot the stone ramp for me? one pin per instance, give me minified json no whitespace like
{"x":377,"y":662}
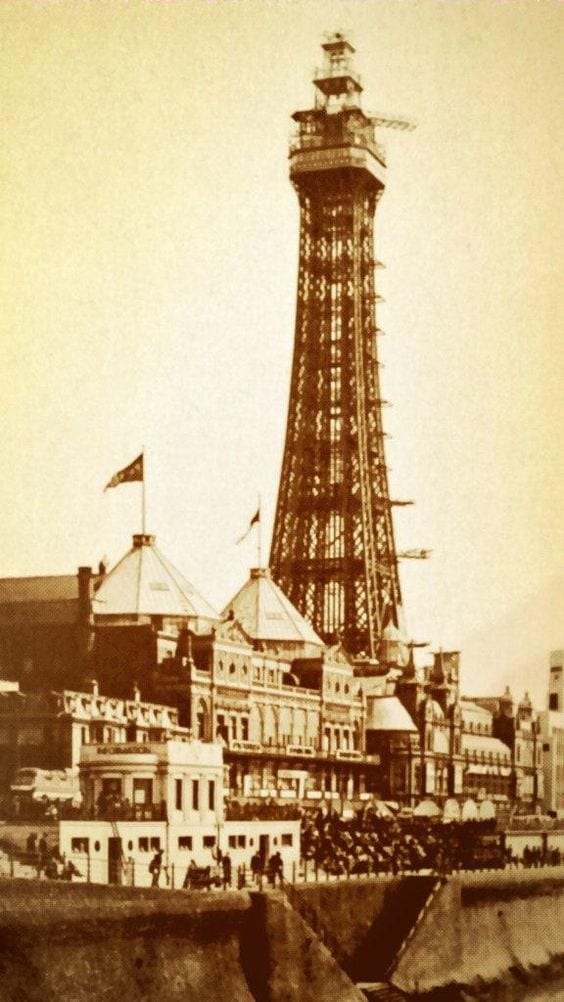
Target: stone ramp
{"x":364,"y":923}
{"x":481,"y":927}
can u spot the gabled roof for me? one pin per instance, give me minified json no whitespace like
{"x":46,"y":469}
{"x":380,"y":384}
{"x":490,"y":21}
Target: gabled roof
{"x":387,"y":713}
{"x":49,"y":599}
{"x":50,"y":588}
{"x":145,"y":583}
{"x":266,"y":614}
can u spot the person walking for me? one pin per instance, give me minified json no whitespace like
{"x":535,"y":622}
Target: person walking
{"x":31,"y":846}
{"x":256,"y":866}
{"x":155,"y":867}
{"x":43,"y":851}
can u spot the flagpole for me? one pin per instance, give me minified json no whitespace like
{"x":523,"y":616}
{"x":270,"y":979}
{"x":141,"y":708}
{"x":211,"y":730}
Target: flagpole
{"x":143,"y":494}
{"x":259,"y":536}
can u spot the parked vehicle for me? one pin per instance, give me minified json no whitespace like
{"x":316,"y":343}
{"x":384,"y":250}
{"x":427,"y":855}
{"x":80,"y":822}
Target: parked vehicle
{"x":46,"y":785}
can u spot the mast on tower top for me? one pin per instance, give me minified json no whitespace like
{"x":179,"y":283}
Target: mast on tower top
{"x":337,"y":82}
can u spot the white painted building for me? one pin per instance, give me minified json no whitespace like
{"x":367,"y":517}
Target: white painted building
{"x":143,"y":797}
{"x":551,"y":723}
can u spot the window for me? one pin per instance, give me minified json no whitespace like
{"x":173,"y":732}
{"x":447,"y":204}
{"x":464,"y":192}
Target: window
{"x":211,"y":794}
{"x":111,"y":787}
{"x":185,"y":842}
{"x":287,"y":839}
{"x":96,"y":847}
{"x":80,"y":845}
{"x":178,"y":794}
{"x":195,"y":795}
{"x":143,"y":845}
{"x":553,"y":701}
{"x":142,"y":792}
{"x":232,"y":841}
{"x":155,"y":844}
{"x":232,"y":669}
{"x":208,"y":841}
{"x":241,"y":841}
{"x":245,"y":728}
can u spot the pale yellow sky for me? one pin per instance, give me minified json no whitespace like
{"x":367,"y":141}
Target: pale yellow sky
{"x":148,"y":239}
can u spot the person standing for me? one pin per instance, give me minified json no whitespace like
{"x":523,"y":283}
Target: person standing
{"x":226,"y":867}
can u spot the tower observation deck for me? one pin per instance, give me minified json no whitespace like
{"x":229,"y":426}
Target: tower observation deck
{"x":333,"y":551}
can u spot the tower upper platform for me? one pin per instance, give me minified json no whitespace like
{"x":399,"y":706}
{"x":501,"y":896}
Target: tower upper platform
{"x":336,"y":133}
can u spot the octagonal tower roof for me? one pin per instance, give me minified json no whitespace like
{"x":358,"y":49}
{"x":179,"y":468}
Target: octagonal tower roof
{"x":267,"y":615}
{"x":145,"y":583}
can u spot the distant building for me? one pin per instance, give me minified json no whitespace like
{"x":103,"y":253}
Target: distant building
{"x":487,"y":760}
{"x":297,"y":719}
{"x":45,"y":629}
{"x":288,"y":710}
{"x":551,"y":722}
{"x":57,"y":631}
{"x":517,"y":726}
{"x":47,"y":730}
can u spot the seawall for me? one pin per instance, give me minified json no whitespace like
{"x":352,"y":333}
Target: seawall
{"x":481,"y":927}
{"x":88,"y":943}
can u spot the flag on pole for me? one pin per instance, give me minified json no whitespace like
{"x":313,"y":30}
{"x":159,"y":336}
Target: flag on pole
{"x":255,"y":519}
{"x":129,"y":473}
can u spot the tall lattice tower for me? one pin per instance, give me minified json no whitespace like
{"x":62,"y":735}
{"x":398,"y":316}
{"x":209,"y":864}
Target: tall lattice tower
{"x":333,"y":549}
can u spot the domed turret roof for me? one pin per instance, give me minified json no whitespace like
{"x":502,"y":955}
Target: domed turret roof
{"x":265,"y":613}
{"x":145,"y":583}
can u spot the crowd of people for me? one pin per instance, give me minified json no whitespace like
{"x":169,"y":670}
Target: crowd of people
{"x":46,"y":859}
{"x":367,"y":843}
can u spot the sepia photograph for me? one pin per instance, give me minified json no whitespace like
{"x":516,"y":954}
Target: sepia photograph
{"x":282,"y":495}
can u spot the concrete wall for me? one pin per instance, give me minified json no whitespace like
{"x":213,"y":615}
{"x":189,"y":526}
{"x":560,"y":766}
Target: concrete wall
{"x":480,"y":927}
{"x":71,"y":943}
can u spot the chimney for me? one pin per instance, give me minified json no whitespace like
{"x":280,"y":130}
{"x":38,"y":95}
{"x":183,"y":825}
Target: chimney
{"x":136,"y":693}
{"x":94,"y":687}
{"x":85,"y":593}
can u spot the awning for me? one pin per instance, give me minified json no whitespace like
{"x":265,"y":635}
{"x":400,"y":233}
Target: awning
{"x":427,"y":809}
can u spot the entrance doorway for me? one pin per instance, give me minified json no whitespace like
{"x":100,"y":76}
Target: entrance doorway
{"x":114,"y":861}
{"x":264,"y":850}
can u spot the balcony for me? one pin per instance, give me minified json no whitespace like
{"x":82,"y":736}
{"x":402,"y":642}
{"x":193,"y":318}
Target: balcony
{"x":124,"y":812}
{"x":302,"y":142}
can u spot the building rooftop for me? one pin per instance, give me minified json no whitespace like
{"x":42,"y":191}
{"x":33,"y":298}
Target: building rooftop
{"x":145,"y":583}
{"x":386,"y":713}
{"x":484,"y":743}
{"x":48,"y":599}
{"x":266,"y":614}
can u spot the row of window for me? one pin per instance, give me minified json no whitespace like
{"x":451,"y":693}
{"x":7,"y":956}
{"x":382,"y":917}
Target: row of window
{"x":149,"y":843}
{"x":195,"y":789}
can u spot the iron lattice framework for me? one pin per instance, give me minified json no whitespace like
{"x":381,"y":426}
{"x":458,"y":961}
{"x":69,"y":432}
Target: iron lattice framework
{"x":333,"y":549}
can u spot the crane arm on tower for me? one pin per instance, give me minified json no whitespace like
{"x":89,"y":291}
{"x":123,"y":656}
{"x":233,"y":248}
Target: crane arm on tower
{"x":389,"y":122}
{"x":414,"y":554}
